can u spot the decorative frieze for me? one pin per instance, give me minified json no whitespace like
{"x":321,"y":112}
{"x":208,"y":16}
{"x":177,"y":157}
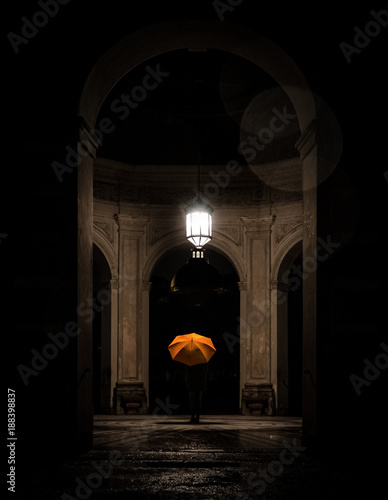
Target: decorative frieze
{"x":154,"y":195}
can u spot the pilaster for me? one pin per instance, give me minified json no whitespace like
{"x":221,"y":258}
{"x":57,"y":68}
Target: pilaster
{"x":130,"y":395}
{"x":256,"y":321}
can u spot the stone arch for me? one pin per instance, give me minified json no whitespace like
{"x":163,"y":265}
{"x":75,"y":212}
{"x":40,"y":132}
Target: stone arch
{"x":173,"y":240}
{"x":195,"y":35}
{"x":102,"y":242}
{"x":292,"y":240}
{"x":108,"y":319}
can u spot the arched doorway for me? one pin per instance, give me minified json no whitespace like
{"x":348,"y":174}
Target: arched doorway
{"x":295,"y":338}
{"x":204,"y":312}
{"x":288,"y":324}
{"x":101,"y":314}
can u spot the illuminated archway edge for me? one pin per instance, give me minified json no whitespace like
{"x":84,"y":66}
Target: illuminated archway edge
{"x":173,"y":240}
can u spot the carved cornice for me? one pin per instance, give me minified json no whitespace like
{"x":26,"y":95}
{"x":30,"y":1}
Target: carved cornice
{"x":258,"y":224}
{"x":143,"y":193}
{"x":131,"y":223}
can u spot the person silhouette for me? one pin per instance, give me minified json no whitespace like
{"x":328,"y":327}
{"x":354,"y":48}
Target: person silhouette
{"x":196,"y":381}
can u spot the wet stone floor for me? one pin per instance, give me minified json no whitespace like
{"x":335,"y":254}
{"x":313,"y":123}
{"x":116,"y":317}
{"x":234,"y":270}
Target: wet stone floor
{"x":236,"y":457}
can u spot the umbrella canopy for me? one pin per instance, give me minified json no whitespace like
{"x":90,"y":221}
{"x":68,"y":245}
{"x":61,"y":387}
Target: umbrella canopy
{"x":191,"y":349}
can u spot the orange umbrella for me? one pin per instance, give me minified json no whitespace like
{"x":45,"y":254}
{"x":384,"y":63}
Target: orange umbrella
{"x":191,"y":349}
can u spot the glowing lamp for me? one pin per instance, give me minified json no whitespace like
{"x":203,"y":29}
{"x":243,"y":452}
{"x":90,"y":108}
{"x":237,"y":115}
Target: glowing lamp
{"x":199,"y":223}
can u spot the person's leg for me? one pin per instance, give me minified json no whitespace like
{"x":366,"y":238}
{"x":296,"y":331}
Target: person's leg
{"x":192,"y":400}
{"x":198,"y":405}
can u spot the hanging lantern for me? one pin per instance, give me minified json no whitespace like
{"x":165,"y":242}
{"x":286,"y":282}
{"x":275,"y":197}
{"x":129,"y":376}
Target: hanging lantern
{"x":199,"y":223}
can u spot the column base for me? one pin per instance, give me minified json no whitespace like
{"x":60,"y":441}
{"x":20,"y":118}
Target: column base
{"x":130,"y":398}
{"x":258,"y":400}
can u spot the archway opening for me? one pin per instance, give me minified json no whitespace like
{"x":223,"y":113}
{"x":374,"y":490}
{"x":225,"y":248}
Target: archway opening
{"x":202,"y":311}
{"x":295,"y":338}
{"x":290,"y":333}
{"x":101,"y":315}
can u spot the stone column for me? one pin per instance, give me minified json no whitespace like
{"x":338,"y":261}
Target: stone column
{"x":307,"y":146}
{"x":258,"y":387}
{"x":86,"y":153}
{"x":130,"y":393}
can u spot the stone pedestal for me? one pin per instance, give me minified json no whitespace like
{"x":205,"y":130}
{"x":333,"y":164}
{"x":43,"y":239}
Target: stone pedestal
{"x":130,"y":398}
{"x":258,"y":400}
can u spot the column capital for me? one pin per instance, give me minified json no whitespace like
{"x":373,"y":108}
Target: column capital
{"x":147,"y":286}
{"x":88,"y":140}
{"x":242,"y":285}
{"x":308,"y":140}
{"x":279,"y":285}
{"x":114,"y":284}
{"x":130,"y":223}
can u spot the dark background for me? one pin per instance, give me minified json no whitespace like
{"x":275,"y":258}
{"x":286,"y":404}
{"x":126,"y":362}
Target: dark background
{"x":41,"y":89}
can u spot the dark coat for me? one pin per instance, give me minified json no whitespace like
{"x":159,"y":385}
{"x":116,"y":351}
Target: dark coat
{"x":196,"y":377}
